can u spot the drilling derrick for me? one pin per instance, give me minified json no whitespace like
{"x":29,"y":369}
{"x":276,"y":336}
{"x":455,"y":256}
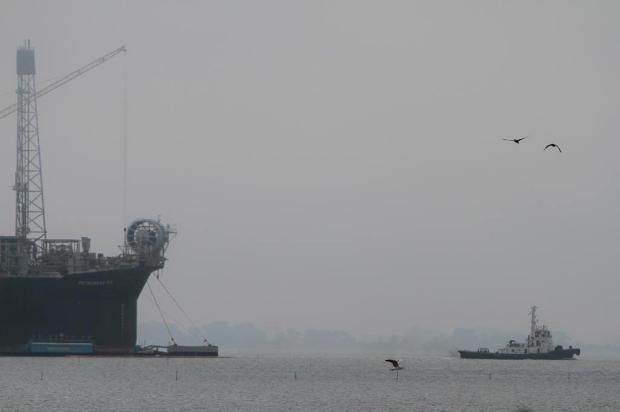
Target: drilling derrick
{"x":30,"y":230}
{"x":29,"y":210}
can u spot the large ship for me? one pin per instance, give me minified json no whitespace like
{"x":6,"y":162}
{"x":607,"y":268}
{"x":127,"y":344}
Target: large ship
{"x":539,"y":345}
{"x":56,"y":295}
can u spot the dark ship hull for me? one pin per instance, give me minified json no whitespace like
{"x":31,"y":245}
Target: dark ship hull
{"x":96,"y":306}
{"x":553,"y":355}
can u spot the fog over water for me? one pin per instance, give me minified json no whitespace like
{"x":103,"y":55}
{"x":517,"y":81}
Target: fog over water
{"x":339,"y":164}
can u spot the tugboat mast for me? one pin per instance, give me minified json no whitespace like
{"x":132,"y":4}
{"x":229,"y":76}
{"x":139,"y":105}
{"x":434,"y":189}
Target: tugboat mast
{"x":533,"y":322}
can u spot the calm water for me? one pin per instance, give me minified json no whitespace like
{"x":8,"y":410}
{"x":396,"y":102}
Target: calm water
{"x":268,"y":383}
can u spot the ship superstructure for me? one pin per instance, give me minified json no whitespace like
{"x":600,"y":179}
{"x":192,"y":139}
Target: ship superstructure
{"x":57,"y":292}
{"x":538,"y":341}
{"x":539,"y":345}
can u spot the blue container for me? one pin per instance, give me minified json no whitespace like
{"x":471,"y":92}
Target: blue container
{"x":65,"y":348}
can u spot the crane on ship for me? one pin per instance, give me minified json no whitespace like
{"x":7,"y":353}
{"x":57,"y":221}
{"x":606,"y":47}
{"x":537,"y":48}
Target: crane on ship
{"x":9,"y":110}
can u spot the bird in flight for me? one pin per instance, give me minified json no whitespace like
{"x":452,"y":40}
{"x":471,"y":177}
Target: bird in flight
{"x":553,"y":145}
{"x":515,"y":139}
{"x":396,"y":366}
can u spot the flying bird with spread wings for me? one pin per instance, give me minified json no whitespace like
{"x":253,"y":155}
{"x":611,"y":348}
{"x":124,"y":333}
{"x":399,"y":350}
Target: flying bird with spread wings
{"x":553,"y":145}
{"x":396,"y":366}
{"x":517,"y":141}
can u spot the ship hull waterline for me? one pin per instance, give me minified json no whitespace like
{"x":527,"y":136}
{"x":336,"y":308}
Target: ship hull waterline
{"x":561,"y":354}
{"x":100,"y":306}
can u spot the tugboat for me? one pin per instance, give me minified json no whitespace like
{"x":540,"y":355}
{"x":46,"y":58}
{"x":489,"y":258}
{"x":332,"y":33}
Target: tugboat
{"x":539,"y":346}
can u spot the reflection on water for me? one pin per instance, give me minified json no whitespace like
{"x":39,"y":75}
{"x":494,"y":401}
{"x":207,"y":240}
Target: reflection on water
{"x":296,"y":383}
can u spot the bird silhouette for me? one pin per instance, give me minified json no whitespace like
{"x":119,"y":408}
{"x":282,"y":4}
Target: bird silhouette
{"x":394,"y":363}
{"x":553,"y":145}
{"x":515,"y":139}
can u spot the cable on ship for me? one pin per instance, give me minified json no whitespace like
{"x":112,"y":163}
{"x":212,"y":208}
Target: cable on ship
{"x":205,"y":340}
{"x":160,"y":312}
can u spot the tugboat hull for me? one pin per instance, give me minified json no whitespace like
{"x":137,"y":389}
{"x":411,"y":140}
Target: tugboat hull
{"x":553,"y":355}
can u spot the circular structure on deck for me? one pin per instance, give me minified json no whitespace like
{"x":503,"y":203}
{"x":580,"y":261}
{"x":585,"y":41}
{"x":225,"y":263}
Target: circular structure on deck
{"x":146,"y":234}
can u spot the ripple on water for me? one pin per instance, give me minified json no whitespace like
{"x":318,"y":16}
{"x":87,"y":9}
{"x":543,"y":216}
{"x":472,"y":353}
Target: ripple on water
{"x":305,"y":383}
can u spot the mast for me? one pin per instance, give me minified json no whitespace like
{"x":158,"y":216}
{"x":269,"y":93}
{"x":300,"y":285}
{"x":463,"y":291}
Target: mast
{"x":29,"y":210}
{"x":533,"y":322}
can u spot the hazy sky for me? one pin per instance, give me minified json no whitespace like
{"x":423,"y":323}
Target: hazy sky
{"x":338,"y":164}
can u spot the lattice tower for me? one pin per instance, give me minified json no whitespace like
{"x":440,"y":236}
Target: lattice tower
{"x":30,"y":207}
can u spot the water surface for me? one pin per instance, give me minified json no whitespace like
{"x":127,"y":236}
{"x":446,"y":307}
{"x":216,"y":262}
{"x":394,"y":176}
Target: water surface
{"x":306,"y":383}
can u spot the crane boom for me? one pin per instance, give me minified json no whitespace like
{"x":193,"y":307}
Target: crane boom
{"x":7,"y":111}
